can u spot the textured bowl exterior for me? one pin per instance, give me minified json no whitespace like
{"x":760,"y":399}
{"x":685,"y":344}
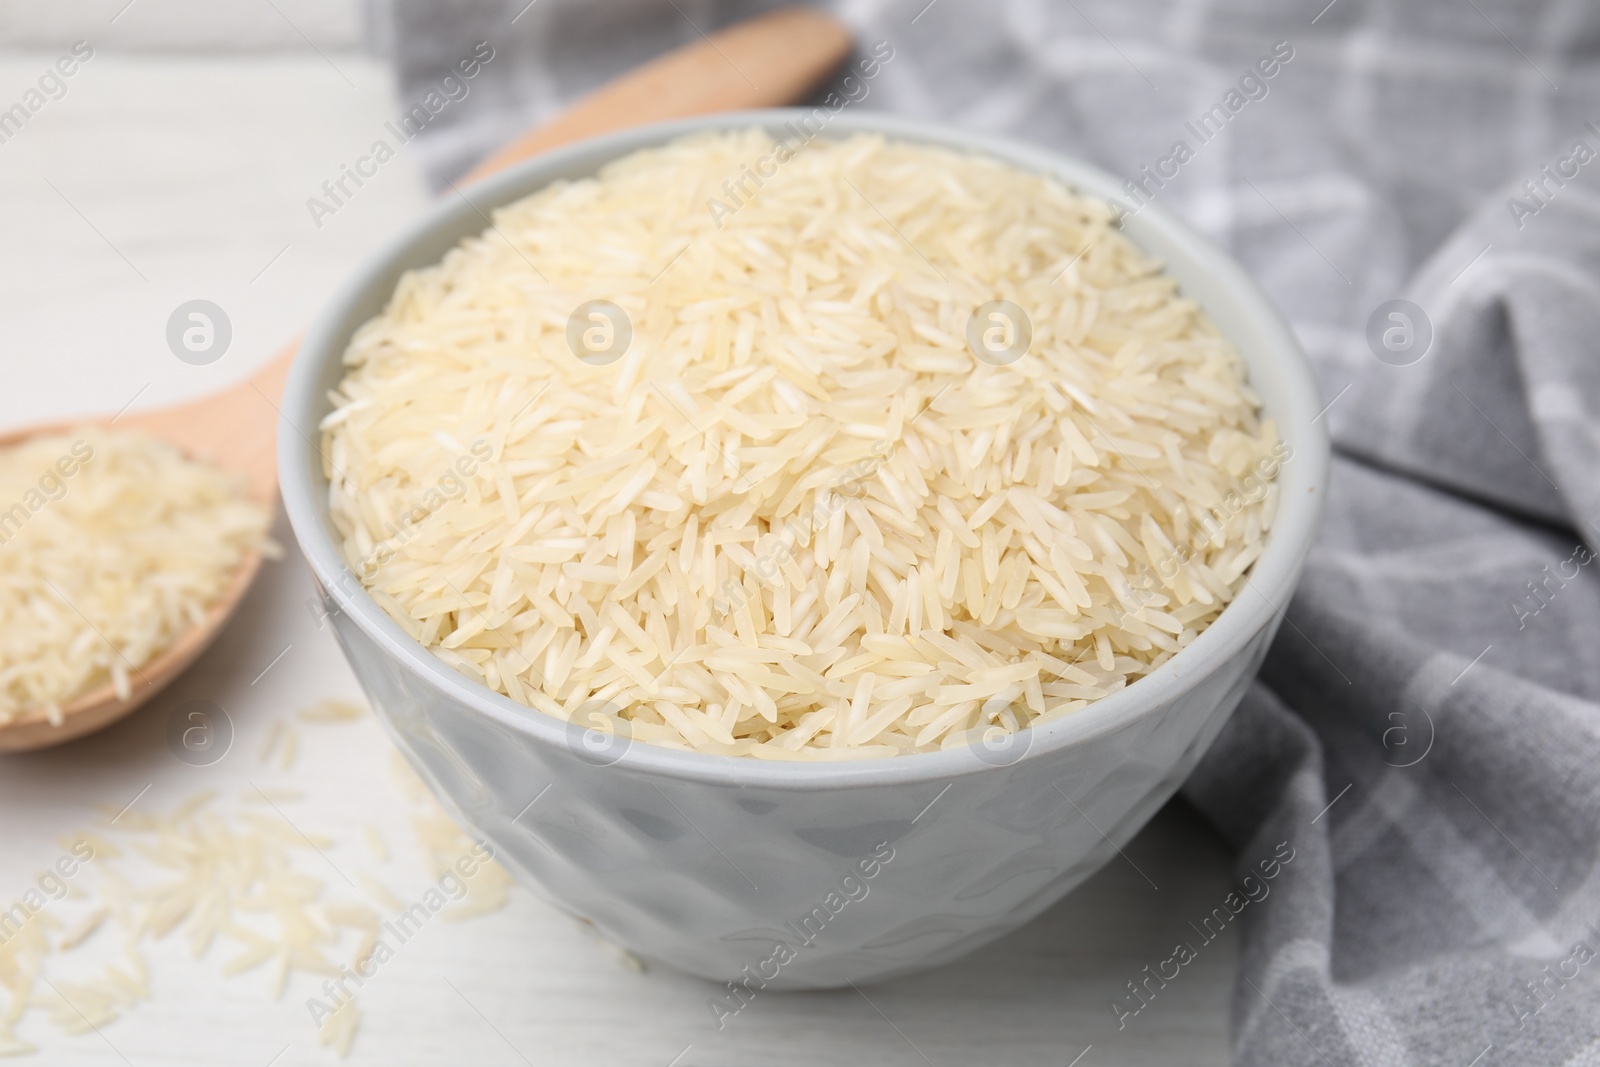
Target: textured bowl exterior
{"x":708,"y":877}
{"x":789,"y":875}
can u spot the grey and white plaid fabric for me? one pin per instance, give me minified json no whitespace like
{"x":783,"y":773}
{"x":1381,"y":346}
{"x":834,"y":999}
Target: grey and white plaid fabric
{"x":1426,"y":731}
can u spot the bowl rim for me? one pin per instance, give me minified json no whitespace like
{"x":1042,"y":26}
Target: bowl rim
{"x":1258,"y":605}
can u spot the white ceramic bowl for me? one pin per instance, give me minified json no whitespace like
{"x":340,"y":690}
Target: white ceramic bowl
{"x":800,"y":875}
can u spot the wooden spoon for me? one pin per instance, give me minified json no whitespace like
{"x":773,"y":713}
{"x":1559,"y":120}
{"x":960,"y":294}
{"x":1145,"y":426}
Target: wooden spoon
{"x":776,"y":59}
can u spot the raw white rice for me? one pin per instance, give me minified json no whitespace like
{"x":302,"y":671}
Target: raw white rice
{"x":798,"y":518}
{"x":111,"y":546}
{"x":237,"y":876}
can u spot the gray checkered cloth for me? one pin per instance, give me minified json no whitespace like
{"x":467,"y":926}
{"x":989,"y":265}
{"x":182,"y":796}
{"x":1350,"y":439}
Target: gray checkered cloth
{"x":1426,"y":731}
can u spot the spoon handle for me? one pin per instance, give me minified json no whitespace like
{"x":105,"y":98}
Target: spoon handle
{"x":766,"y":61}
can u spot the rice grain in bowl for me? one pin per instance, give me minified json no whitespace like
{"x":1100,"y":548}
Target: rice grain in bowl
{"x":698,"y":860}
{"x":892,"y":448}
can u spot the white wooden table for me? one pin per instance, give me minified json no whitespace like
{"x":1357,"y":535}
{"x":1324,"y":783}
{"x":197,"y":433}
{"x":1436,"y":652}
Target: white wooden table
{"x":161,"y":178}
